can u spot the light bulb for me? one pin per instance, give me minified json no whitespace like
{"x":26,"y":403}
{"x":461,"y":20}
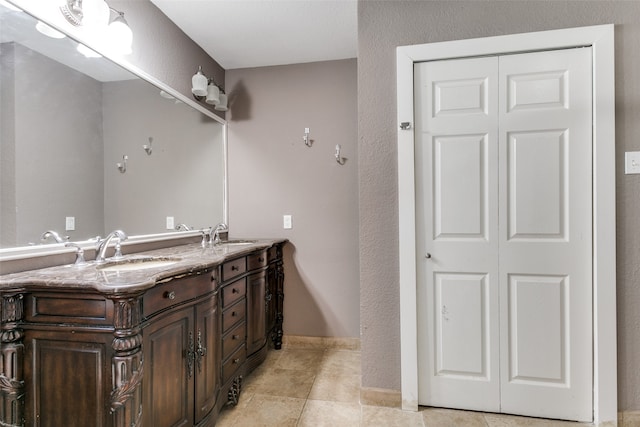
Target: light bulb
{"x":95,"y":13}
{"x":199,"y":84}
{"x":222,"y":106}
{"x":120,"y":36}
{"x":213,"y":94}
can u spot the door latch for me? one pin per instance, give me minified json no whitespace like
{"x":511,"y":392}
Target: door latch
{"x":405,"y":125}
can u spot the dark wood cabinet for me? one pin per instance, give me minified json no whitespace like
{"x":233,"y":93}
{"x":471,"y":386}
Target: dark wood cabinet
{"x":168,"y":380}
{"x":181,"y":351}
{"x":169,"y":355}
{"x":256,"y":311}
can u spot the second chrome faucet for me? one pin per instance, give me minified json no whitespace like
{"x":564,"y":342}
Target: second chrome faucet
{"x":103,"y":244}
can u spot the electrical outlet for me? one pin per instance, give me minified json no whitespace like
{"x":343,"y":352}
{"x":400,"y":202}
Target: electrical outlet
{"x":70,"y":223}
{"x":286,"y":222}
{"x":170,"y":223}
{"x":632,"y":162}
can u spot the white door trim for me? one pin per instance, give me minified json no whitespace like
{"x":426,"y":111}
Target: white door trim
{"x":601,"y":39}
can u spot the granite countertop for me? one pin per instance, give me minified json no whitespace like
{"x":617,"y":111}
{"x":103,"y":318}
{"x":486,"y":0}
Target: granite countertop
{"x":187,"y":258}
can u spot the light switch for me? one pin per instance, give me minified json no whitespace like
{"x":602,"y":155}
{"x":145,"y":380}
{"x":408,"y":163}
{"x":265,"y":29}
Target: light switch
{"x":70,"y":223}
{"x":286,"y":222}
{"x":632,"y":162}
{"x":170,"y":224}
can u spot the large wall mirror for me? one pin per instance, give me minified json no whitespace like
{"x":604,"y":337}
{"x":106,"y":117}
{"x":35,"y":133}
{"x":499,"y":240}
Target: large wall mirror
{"x":87,"y":146}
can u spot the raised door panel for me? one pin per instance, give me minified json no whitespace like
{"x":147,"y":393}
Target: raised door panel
{"x":68,"y":379}
{"x":208,"y":357}
{"x":256,"y":312}
{"x":168,"y":377}
{"x":546,"y":236}
{"x":457,"y":233}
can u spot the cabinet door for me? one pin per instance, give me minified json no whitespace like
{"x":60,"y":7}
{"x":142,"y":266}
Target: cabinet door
{"x":68,"y":379}
{"x":256,"y":308}
{"x":168,"y":377}
{"x":207,"y":365}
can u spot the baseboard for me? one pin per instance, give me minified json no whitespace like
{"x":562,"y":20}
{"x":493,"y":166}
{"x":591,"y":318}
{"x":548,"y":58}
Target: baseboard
{"x":338,"y":343}
{"x":380,"y":397}
{"x":629,"y":419}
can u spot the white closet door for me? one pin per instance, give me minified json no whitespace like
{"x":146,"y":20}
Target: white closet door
{"x":457,"y":224}
{"x":503,"y":209}
{"x":546,"y":234}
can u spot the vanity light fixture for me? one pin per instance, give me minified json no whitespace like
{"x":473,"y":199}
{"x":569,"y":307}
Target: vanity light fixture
{"x":206,"y":90}
{"x":199,"y":85}
{"x":213,"y":93}
{"x":222,"y":105}
{"x":101,"y":23}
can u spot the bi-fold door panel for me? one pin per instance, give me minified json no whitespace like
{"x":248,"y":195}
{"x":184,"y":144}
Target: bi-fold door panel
{"x":503,"y":209}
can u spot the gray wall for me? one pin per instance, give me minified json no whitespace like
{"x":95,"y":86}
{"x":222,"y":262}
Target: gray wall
{"x":272,"y":172}
{"x":383,"y":25}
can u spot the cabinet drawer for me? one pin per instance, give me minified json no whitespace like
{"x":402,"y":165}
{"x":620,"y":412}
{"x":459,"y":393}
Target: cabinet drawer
{"x":68,"y":308}
{"x":176,"y":291}
{"x":233,"y":315}
{"x":235,"y":361}
{"x":256,"y":261}
{"x":233,"y":292}
{"x":233,"y":340}
{"x":233,"y":268}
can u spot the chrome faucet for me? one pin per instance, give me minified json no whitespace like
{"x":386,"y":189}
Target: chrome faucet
{"x":55,"y":236}
{"x":214,"y":235}
{"x":103,"y":244}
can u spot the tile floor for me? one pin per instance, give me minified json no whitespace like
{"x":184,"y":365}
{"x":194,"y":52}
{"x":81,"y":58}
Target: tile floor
{"x":301,"y":387}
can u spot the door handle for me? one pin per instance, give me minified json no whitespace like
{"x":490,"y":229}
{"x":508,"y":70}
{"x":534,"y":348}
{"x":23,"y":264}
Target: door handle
{"x":428,"y":256}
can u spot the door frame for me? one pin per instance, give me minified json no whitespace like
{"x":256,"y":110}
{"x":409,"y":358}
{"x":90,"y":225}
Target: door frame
{"x":601,"y":39}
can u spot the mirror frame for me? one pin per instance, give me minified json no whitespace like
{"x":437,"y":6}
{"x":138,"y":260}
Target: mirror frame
{"x":22,"y":252}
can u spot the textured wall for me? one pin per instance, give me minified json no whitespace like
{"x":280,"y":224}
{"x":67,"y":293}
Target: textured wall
{"x":383,"y":25}
{"x":272,"y":172}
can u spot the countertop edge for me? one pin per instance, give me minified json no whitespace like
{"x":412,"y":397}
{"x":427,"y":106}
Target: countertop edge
{"x":192,"y":258}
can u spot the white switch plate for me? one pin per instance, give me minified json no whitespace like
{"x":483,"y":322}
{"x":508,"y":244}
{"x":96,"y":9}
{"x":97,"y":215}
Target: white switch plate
{"x":170,"y":224}
{"x":286,"y":222}
{"x":632,"y":162}
{"x":70,"y":223}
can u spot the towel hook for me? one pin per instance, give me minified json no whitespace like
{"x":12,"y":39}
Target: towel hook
{"x":122,"y":167}
{"x":341,"y":160}
{"x":148,"y":148}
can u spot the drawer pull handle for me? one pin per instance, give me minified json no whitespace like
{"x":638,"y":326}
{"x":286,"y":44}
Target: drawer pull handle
{"x":234,"y":268}
{"x":236,"y":360}
{"x":233,"y":314}
{"x":260,"y":259}
{"x":235,"y":337}
{"x":235,"y":291}
{"x":171,"y":295}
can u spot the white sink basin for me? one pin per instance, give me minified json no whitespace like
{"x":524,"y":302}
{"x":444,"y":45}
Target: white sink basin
{"x":138,"y":264}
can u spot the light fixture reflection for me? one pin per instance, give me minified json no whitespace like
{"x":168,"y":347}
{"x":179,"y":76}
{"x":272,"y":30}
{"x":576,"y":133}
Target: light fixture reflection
{"x":102,"y":25}
{"x":49,"y":31}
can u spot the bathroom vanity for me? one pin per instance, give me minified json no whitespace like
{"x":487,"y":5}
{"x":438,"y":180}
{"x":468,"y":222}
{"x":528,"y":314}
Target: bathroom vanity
{"x":159,"y":338}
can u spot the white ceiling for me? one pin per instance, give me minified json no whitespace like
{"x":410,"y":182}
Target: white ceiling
{"x":257,"y":33}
